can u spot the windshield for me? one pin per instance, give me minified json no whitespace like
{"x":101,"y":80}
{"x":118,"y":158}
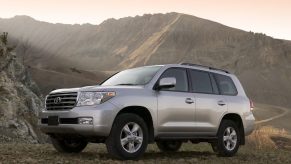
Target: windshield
{"x":135,"y":76}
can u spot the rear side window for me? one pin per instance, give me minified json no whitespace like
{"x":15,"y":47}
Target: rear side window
{"x":225,"y":85}
{"x":214,"y":85}
{"x":181,"y":79}
{"x":201,"y":82}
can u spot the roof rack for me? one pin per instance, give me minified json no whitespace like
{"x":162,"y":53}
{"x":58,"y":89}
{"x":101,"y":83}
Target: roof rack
{"x":211,"y":68}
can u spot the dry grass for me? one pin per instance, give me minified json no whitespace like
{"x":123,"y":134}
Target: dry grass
{"x":261,"y":138}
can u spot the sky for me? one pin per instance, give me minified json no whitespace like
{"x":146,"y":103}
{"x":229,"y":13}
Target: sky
{"x":272,"y":17}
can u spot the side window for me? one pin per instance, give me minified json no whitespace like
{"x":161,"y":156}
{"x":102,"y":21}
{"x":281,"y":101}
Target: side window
{"x":214,"y":85}
{"x":181,"y":79}
{"x":201,"y":82}
{"x":225,"y":85}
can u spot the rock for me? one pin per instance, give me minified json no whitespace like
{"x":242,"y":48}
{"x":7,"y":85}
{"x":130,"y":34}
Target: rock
{"x":20,"y":101}
{"x":13,"y":124}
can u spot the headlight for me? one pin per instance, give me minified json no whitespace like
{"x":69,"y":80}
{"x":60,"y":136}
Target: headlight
{"x":94,"y":98}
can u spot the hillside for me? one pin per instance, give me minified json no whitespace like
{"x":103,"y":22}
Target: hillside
{"x":262,"y":63}
{"x":49,"y":80}
{"x":20,"y":99}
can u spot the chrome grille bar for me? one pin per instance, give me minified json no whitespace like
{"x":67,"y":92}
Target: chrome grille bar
{"x":61,"y":101}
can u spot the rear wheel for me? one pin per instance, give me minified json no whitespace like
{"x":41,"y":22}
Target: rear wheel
{"x":228,"y":140}
{"x":128,"y":138}
{"x":69,"y":145}
{"x":169,"y":146}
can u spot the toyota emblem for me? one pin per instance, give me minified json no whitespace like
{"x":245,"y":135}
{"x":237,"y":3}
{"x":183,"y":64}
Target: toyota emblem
{"x":57,"y":100}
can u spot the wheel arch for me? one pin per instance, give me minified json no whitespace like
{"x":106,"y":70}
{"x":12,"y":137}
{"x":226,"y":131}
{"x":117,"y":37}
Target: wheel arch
{"x":142,"y":112}
{"x":236,"y":118}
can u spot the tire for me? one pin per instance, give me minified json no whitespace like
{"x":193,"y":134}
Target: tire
{"x":228,"y":139}
{"x":135,"y":137}
{"x":169,"y":146}
{"x":69,"y":145}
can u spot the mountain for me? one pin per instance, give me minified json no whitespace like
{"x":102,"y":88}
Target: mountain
{"x":261,"y":62}
{"x":40,"y":51}
{"x":20,"y":100}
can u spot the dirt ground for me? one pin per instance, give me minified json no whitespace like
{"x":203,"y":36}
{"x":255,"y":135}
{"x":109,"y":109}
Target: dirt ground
{"x":96,"y":153}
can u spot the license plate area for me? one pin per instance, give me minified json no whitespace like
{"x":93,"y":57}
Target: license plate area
{"x":53,"y":120}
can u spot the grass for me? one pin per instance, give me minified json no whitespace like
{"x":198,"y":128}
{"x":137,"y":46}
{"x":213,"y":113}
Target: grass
{"x":255,"y":151}
{"x":263,"y":137}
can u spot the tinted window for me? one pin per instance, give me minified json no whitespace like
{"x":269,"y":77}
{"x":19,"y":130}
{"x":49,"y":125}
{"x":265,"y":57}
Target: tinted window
{"x":214,"y":85}
{"x":201,"y":82}
{"x":225,"y":84}
{"x":181,"y":79}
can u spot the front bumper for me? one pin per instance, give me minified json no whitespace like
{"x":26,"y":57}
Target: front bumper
{"x":102,"y":114}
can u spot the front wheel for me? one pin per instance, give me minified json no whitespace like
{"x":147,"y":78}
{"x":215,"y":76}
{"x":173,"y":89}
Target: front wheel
{"x":128,"y":138}
{"x":228,"y":140}
{"x":69,"y":145}
{"x":169,"y":146}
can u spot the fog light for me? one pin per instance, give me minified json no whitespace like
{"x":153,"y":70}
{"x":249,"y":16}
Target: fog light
{"x":86,"y":120}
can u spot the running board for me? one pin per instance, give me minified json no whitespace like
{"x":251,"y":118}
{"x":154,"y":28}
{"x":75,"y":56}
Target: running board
{"x":200,"y":139}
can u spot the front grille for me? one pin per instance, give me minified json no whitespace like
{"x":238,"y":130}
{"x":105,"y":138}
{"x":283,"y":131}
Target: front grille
{"x":61,"y":101}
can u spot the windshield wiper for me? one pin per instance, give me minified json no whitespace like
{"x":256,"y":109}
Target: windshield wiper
{"x":126,"y":84}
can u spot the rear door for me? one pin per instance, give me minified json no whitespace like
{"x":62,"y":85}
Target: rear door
{"x":210,"y":105}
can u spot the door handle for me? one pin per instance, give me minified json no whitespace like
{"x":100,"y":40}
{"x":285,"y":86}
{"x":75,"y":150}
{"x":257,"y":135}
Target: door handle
{"x":189,"y":101}
{"x":221,"y":103}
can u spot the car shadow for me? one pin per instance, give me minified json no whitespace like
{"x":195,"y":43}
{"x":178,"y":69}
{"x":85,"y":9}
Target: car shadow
{"x":175,"y":155}
{"x":159,"y":155}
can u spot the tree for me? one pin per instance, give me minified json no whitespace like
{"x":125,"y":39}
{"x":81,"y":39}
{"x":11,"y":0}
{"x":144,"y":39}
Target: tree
{"x":4,"y":47}
{"x":4,"y":37}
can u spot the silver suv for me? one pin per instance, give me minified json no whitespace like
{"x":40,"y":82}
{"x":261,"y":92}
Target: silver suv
{"x":166,"y":104}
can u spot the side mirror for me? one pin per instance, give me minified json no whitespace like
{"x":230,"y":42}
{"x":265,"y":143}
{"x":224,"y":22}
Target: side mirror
{"x":167,"y":82}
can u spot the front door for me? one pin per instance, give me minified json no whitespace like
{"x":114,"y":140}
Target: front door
{"x":176,"y":106}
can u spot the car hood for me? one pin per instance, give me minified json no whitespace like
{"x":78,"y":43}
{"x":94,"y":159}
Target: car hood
{"x":97,"y":88}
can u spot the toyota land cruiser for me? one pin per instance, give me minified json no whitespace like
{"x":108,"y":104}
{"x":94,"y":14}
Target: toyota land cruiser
{"x":167,"y":104}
